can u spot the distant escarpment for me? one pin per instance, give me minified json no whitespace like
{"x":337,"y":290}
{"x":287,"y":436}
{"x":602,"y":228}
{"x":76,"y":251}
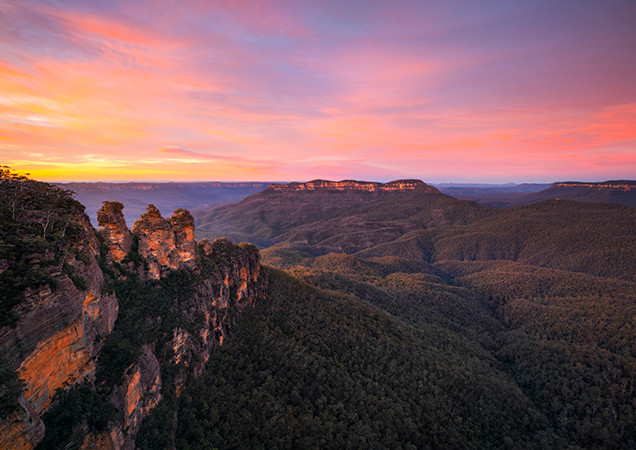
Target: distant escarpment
{"x":619,"y":185}
{"x":613,"y":191}
{"x":353,"y":185}
{"x":98,"y":328}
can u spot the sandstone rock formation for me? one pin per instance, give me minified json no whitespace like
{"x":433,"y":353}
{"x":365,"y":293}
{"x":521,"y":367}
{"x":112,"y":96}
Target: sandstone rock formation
{"x":60,"y":331}
{"x":22,"y":430}
{"x":156,"y":243}
{"x":114,"y":230}
{"x":57,"y":336}
{"x":353,"y":185}
{"x":222,"y":298}
{"x":140,"y":392}
{"x":166,"y":245}
{"x":182,"y":225}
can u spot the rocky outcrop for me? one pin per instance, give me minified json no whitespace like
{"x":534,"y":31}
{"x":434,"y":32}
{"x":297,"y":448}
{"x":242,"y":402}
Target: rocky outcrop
{"x":165,"y":245}
{"x":156,"y":243}
{"x":352,"y":185}
{"x":133,"y":399}
{"x":23,"y":430}
{"x":139,"y":393}
{"x":60,"y":330}
{"x":182,"y":225}
{"x":58,"y":333}
{"x":114,"y":230}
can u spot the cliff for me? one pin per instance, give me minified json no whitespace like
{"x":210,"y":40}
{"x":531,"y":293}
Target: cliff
{"x":352,"y":185}
{"x":617,"y":185}
{"x":62,"y":330}
{"x":613,"y":191}
{"x":58,"y":331}
{"x":203,"y":307}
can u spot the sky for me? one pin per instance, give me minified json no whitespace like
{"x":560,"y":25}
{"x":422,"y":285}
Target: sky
{"x":461,"y":91}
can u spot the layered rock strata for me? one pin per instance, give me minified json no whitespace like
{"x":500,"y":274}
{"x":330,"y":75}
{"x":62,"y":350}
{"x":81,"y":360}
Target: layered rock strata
{"x":353,"y":185}
{"x":57,"y":336}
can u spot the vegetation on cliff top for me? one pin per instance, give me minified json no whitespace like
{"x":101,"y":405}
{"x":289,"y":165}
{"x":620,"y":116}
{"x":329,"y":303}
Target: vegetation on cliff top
{"x":37,"y":222}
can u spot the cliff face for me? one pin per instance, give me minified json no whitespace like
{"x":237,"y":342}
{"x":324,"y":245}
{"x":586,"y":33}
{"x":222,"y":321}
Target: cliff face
{"x":60,"y":331}
{"x":182,"y":225}
{"x":220,"y":298}
{"x":618,"y":185}
{"x":57,"y":335}
{"x":139,"y":393}
{"x":352,"y":185}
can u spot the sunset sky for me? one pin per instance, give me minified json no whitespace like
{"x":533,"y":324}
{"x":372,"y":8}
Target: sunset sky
{"x":464,"y":91}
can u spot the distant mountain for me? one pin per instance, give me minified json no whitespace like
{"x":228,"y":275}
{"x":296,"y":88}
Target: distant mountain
{"x":419,"y":222}
{"x":613,"y":191}
{"x":335,"y":216}
{"x":166,"y":196}
{"x":493,"y":195}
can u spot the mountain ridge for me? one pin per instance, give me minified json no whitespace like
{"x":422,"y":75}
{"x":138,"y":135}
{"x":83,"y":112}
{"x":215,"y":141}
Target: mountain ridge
{"x":355,"y":185}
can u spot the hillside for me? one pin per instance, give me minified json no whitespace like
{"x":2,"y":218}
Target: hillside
{"x":424,"y":224}
{"x":613,"y":191}
{"x":599,"y":239}
{"x":340,"y":216}
{"x":565,"y":338}
{"x":546,"y":289}
{"x":318,"y":369}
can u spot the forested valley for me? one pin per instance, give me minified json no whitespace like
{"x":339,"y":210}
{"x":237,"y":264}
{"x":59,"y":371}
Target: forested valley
{"x":397,"y":320}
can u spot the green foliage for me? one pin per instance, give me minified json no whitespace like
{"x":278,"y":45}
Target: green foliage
{"x":225,"y":253}
{"x":565,"y":338}
{"x":37,"y":222}
{"x":80,"y":405}
{"x":597,"y":239}
{"x":145,"y":309}
{"x":314,"y":369}
{"x":569,"y":344}
{"x":78,"y":280}
{"x":10,"y":390}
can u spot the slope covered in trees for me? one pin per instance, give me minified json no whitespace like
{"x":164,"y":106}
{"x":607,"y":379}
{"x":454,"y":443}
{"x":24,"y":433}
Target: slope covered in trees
{"x":312,"y":368}
{"x":345,"y":220}
{"x":37,"y":222}
{"x":585,"y":237}
{"x":403,"y":319}
{"x":565,"y":338}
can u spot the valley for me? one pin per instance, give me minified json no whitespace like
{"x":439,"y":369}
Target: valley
{"x":383,"y":315}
